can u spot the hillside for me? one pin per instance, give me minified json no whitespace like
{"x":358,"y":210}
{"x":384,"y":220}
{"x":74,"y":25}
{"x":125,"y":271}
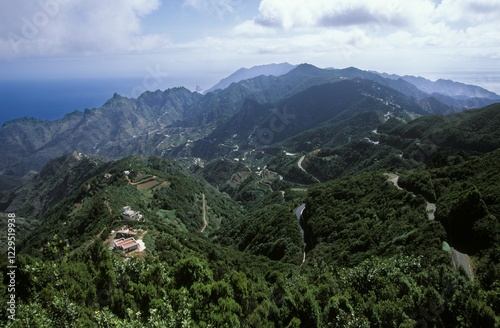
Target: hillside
{"x":361,"y":236}
{"x":362,"y":143}
{"x":316,"y":198}
{"x":52,"y":184}
{"x":78,"y":209}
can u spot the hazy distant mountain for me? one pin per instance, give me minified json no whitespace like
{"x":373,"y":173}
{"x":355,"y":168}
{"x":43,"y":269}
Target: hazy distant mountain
{"x":449,"y":88}
{"x":248,"y":73}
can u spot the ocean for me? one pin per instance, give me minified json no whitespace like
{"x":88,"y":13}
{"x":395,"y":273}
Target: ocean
{"x":52,"y":99}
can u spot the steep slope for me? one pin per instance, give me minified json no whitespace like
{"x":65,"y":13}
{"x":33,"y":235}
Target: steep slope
{"x":329,"y":103}
{"x":451,"y":88}
{"x":20,"y":138}
{"x":85,"y":198}
{"x":440,"y":97}
{"x":467,"y":194}
{"x":157,"y":123}
{"x":58,"y":178}
{"x":474,"y":130}
{"x":254,"y":125}
{"x":363,"y":236}
{"x":320,"y":116}
{"x":223,"y":104}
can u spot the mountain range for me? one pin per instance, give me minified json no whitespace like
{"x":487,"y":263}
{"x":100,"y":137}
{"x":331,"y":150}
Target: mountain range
{"x":288,"y":196}
{"x":166,"y":123}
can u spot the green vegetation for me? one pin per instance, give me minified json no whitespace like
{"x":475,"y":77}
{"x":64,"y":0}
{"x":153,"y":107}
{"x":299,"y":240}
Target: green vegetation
{"x":419,"y":182}
{"x":364,"y":253}
{"x":270,"y":231}
{"x":473,"y":131}
{"x":372,"y":258}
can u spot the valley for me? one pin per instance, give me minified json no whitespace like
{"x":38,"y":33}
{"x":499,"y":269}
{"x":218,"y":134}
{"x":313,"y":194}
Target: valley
{"x":312,"y":198}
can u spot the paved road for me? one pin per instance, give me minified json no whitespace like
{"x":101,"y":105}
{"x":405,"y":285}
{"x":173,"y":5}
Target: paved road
{"x":458,"y":259}
{"x":431,"y":210}
{"x":462,"y":260}
{"x":299,"y":163}
{"x":299,"y":210}
{"x":431,"y":207}
{"x":393,"y":178}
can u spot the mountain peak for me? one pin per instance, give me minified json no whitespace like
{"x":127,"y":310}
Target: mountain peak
{"x":307,"y":70}
{"x":116,"y":100}
{"x":248,"y":73}
{"x":306,"y":67}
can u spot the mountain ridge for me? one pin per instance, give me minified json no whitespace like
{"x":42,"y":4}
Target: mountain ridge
{"x":446,"y":87}
{"x":246,"y":73}
{"x":158,"y":122}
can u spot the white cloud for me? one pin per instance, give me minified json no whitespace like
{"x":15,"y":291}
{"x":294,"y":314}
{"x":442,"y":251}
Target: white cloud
{"x":370,"y":34}
{"x":469,"y":11}
{"x":366,"y":29}
{"x":373,"y":15}
{"x":54,"y":27}
{"x":327,"y":13}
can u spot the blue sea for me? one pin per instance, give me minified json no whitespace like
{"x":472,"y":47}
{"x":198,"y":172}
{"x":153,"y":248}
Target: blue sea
{"x":52,"y":99}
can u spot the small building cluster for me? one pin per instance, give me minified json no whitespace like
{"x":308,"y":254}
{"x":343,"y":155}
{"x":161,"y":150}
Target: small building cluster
{"x":129,"y":215}
{"x":126,"y":244}
{"x":125,"y":233}
{"x":124,"y":240}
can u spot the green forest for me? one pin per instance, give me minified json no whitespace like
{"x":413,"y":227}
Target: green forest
{"x":393,"y":227}
{"x":373,"y":258}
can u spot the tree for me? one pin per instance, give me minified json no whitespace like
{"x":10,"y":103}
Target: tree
{"x":190,"y":270}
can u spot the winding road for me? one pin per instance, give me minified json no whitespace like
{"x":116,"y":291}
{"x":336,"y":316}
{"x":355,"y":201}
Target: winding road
{"x":458,"y":259}
{"x":299,"y":163}
{"x":393,"y":178}
{"x":430,"y":208}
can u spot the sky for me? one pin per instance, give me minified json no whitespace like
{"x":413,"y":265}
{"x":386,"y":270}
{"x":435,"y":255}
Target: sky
{"x":199,"y":42}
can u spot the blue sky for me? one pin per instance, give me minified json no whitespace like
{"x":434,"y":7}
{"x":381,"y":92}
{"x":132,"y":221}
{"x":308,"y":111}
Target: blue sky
{"x":198,"y":42}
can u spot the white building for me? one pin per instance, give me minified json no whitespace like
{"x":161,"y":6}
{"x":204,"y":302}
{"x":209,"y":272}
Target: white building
{"x":129,"y":215}
{"x":126,"y":244}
